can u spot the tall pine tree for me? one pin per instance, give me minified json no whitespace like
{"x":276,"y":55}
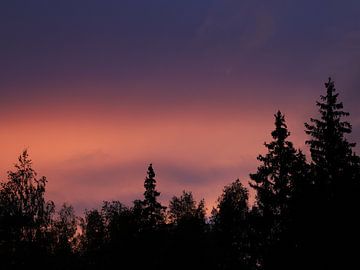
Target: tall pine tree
{"x":276,"y":182}
{"x":331,"y":153}
{"x":335,"y":170}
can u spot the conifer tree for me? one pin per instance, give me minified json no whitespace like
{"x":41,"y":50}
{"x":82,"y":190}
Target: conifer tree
{"x":331,"y":153}
{"x":276,"y":182}
{"x":151,"y":211}
{"x":275,"y":179}
{"x":335,"y":178}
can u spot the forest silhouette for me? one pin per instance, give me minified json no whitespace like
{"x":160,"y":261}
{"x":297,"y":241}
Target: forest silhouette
{"x":305,"y":215}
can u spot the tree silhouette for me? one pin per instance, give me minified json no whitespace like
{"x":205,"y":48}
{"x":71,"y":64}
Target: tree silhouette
{"x":93,"y":237}
{"x":150,"y":224}
{"x":184,"y":211}
{"x":335,"y":179}
{"x":150,"y":211}
{"x":119,"y":222}
{"x":275,"y":181}
{"x":25,"y":215}
{"x":330,"y":150}
{"x":64,"y":229}
{"x":64,"y":240}
{"x":187,"y":238}
{"x":121,"y":238}
{"x":231,"y":227}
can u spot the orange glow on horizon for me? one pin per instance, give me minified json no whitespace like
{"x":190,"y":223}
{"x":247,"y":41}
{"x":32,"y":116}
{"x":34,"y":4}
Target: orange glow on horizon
{"x":91,"y":155}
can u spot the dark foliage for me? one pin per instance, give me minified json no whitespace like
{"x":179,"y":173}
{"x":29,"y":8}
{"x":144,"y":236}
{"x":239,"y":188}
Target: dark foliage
{"x":25,"y":216}
{"x":278,"y":181}
{"x":150,"y":212}
{"x":305,"y":216}
{"x":335,"y":187}
{"x":231,"y":228}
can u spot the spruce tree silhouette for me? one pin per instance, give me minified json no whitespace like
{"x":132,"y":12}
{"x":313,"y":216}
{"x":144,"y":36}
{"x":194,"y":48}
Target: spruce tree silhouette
{"x":150,"y":215}
{"x":275,"y":181}
{"x":25,"y":217}
{"x":151,"y":212}
{"x":335,"y":169}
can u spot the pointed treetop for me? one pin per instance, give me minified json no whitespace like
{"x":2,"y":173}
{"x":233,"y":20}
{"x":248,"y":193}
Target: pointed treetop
{"x":330,"y":82}
{"x":151,"y":173}
{"x":329,"y":146}
{"x":152,"y":210}
{"x":331,"y":97}
{"x":330,"y":86}
{"x":280,"y":131}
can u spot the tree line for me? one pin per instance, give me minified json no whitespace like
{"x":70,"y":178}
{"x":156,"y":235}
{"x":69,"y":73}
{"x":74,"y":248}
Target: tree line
{"x":305,"y":216}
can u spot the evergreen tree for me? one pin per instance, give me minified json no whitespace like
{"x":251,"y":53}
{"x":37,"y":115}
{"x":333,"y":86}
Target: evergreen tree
{"x":152,"y":234}
{"x":335,"y":169}
{"x":151,"y":212}
{"x":276,"y":181}
{"x":331,"y":153}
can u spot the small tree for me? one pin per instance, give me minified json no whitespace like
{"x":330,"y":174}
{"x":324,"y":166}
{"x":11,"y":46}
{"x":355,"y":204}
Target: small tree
{"x":185,"y":212}
{"x":93,"y":232}
{"x":230,"y":223}
{"x":232,"y":209}
{"x":25,"y":215}
{"x":65,"y":226}
{"x":119,"y":222}
{"x":151,"y":212}
{"x":186,"y":236}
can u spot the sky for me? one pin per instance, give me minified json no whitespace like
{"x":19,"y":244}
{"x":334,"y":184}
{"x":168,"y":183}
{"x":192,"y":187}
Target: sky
{"x":97,"y":90}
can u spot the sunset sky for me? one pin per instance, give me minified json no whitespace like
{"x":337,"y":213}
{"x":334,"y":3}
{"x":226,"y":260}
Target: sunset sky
{"x":96,"y":90}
